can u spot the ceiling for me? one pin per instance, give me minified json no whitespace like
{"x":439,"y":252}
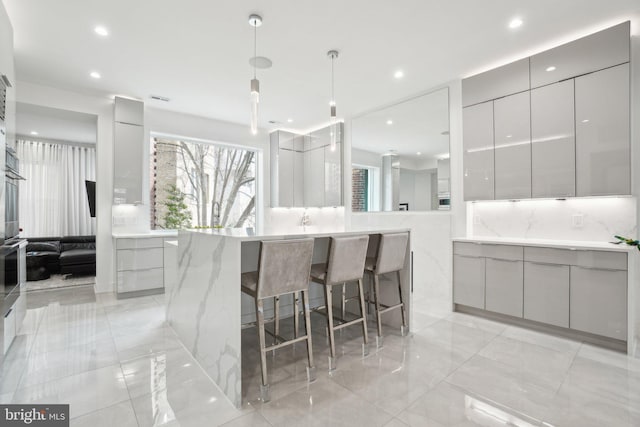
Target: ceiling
{"x":52,"y":123}
{"x":419,"y":125}
{"x":196,"y":52}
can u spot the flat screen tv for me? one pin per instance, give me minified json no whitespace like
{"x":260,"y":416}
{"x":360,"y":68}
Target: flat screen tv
{"x":91,"y":196}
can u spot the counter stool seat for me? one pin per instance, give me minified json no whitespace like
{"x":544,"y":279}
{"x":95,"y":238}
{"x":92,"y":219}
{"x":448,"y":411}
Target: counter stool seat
{"x":283,"y":268}
{"x":345,"y":264}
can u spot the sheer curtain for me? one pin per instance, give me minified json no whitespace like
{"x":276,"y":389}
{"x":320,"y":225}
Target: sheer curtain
{"x":53,"y":199}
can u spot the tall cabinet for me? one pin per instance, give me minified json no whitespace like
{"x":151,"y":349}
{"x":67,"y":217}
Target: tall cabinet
{"x":558,"y":127}
{"x":128,"y":138}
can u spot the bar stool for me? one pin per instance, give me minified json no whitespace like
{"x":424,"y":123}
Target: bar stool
{"x":345,"y":264}
{"x":283,"y":268}
{"x":390,"y":258}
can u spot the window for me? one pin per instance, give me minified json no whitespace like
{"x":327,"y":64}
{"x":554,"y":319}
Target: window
{"x":365,"y":188}
{"x":198,"y":184}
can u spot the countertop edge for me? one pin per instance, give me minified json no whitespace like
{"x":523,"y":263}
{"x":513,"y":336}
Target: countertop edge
{"x":562,"y":244}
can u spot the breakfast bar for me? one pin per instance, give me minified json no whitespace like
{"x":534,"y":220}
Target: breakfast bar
{"x":205,"y":306}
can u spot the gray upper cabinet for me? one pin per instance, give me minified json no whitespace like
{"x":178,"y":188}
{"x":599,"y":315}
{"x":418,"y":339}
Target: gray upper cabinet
{"x":602,"y":133}
{"x":478,"y":152}
{"x":129,"y":111}
{"x":506,"y":80}
{"x":592,"y":53}
{"x":512,"y":147}
{"x":553,"y":147}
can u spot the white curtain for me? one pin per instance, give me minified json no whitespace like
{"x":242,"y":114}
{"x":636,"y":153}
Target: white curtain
{"x":53,"y":199}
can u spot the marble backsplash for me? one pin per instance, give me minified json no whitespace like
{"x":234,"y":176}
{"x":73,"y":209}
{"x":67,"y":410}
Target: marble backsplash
{"x":284,"y":219}
{"x":584,"y":219}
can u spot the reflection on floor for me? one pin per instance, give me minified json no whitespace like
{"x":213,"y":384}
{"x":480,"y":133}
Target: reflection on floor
{"x":60,"y":281}
{"x":118,"y":363}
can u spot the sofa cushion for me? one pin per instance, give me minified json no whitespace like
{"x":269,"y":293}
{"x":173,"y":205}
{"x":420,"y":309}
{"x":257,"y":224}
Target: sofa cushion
{"x":49,"y":246}
{"x":78,"y":256}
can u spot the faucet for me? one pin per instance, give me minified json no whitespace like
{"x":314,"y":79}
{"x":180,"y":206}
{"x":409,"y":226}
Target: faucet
{"x":216,"y":214}
{"x":305,"y":219}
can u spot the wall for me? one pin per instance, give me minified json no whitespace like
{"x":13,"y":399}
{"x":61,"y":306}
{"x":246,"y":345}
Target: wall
{"x":7,"y":68}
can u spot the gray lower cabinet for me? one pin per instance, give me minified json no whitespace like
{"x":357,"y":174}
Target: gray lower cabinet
{"x":468,"y":280}
{"x":546,"y":293}
{"x":503,"y":286}
{"x":602,"y":133}
{"x":599,"y":302}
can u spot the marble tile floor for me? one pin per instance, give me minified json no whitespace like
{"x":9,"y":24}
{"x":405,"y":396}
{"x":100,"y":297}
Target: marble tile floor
{"x":117,"y":362}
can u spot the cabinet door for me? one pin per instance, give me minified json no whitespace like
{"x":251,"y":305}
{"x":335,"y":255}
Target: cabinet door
{"x":504,"y":286}
{"x":598,"y":302}
{"x":127,"y":165}
{"x":591,"y":53}
{"x":468,"y":281}
{"x":314,"y":177}
{"x":478,"y":152}
{"x":553,"y":160}
{"x":546,"y":293}
{"x":285,"y":178}
{"x":333,"y":176}
{"x":602,"y":133}
{"x":512,"y":147}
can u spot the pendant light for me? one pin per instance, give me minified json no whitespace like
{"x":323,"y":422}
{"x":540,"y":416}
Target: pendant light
{"x":255,"y":21}
{"x":333,"y":128}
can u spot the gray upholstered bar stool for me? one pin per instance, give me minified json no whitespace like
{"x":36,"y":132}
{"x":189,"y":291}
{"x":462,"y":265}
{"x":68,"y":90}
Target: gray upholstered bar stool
{"x":345,"y":264}
{"x":390,"y":258}
{"x":283,"y":268}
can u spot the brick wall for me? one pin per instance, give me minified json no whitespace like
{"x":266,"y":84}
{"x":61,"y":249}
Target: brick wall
{"x":359,"y":190}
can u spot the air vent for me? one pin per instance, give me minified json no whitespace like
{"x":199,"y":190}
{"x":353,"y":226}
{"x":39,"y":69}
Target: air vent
{"x":274,"y":122}
{"x":160,"y":98}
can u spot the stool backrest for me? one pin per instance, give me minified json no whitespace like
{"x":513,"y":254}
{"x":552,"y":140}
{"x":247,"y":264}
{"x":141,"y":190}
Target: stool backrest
{"x":346,"y":258}
{"x":284,"y":266}
{"x":391,"y":252}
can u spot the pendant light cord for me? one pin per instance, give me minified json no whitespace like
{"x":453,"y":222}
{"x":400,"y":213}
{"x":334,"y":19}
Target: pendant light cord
{"x":333,"y":99}
{"x":255,"y":48}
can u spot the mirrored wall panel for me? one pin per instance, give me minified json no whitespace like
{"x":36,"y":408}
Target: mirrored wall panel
{"x":306,"y":170}
{"x":400,"y":156}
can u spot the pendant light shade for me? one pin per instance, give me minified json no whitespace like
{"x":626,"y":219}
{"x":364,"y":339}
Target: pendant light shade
{"x":333,"y":121}
{"x":255,"y":21}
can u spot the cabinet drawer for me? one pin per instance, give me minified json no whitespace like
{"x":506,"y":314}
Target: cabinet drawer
{"x":147,"y":242}
{"x":601,"y":259}
{"x":140,"y":280}
{"x":139,"y":259}
{"x":506,"y":252}
{"x":467,"y":249}
{"x":550,"y":255}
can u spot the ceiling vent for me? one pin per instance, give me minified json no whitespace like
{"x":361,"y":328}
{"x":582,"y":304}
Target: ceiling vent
{"x":160,"y":98}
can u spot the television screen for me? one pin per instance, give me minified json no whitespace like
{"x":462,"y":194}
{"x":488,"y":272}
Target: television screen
{"x":91,"y":195}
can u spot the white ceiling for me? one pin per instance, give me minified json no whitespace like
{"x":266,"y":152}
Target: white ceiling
{"x":196,"y":52}
{"x":52,"y":123}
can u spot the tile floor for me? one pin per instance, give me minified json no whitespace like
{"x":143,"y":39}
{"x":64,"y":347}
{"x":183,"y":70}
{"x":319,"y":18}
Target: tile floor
{"x":118,"y":363}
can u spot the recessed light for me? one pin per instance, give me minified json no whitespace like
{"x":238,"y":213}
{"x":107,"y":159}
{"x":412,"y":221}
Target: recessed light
{"x":509,"y":136}
{"x":289,"y":120}
{"x":101,"y":31}
{"x":552,"y":68}
{"x":398,"y":74}
{"x":389,"y":122}
{"x":585,"y":121}
{"x":515,"y":23}
{"x":419,"y":153}
{"x":95,"y":75}
{"x":33,"y":132}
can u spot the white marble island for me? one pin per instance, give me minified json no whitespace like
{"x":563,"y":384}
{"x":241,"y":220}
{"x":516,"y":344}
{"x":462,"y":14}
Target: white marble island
{"x":204,"y":305}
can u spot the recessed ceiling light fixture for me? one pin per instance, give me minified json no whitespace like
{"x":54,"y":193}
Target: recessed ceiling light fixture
{"x":101,"y":31}
{"x":515,"y":23}
{"x":255,"y":21}
{"x":289,"y":120}
{"x":332,"y":54}
{"x":389,"y":122}
{"x":95,"y":75}
{"x":398,"y":74}
{"x":551,"y":68}
{"x":585,"y":121}
{"x":33,"y":132}
{"x":419,"y":153}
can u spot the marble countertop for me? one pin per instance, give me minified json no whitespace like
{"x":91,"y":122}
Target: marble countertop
{"x":249,"y":234}
{"x":147,"y":234}
{"x":548,"y":243}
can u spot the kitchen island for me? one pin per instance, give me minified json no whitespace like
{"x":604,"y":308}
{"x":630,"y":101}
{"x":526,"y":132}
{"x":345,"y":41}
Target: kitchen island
{"x":205,"y":307}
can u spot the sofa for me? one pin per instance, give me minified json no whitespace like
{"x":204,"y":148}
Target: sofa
{"x":66,"y":255}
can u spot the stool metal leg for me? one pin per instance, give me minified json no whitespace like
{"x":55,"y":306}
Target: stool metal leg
{"x":404,"y":329}
{"x":376,"y":295}
{"x":276,"y":319}
{"x":328,"y":295}
{"x":343,"y":307}
{"x":365,"y":335}
{"x":311,"y":369}
{"x":264,"y":388}
{"x":296,"y":320}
